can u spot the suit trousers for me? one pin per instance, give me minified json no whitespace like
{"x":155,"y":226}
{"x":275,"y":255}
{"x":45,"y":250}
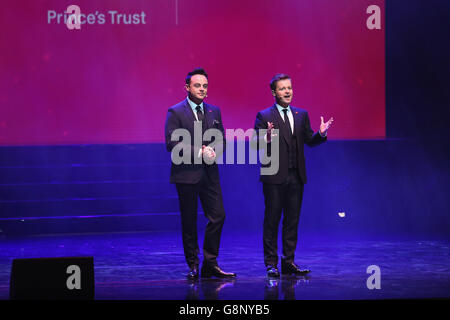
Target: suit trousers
{"x":210,"y":195}
{"x":286,"y":199}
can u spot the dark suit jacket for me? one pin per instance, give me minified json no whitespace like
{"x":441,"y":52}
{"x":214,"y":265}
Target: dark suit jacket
{"x":303,"y":133}
{"x":182,"y":116}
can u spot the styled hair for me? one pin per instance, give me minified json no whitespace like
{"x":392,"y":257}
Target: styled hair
{"x":276,"y":78}
{"x":194,"y":72}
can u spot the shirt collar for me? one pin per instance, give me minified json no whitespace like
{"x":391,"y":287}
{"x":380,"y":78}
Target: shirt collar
{"x":193,"y":105}
{"x":280,"y":108}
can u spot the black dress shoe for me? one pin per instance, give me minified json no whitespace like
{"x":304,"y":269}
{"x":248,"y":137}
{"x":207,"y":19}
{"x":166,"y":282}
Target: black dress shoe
{"x":292,"y":268}
{"x":210,"y":271}
{"x":273,"y":272}
{"x":193,"y":273}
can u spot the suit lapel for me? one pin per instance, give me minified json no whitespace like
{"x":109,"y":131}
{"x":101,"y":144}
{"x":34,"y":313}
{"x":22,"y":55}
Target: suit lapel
{"x":208,"y":115}
{"x":297,"y":121}
{"x":279,"y":123}
{"x":189,"y":115}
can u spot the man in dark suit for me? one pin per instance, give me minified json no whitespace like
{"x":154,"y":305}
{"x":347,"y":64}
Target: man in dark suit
{"x":283,"y":191}
{"x":198,"y":176}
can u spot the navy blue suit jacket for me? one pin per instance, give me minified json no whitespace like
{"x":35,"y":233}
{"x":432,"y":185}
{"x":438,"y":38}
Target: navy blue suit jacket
{"x":303,"y":133}
{"x":181,"y":115}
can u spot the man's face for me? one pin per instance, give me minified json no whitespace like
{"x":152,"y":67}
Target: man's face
{"x":283,"y":92}
{"x":198,"y":88}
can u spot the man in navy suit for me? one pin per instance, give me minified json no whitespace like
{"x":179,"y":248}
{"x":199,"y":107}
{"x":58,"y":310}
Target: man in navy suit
{"x":283,"y":191}
{"x":198,"y":177}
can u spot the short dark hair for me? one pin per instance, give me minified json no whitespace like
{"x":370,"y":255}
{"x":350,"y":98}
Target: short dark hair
{"x":194,"y":72}
{"x":276,"y":78}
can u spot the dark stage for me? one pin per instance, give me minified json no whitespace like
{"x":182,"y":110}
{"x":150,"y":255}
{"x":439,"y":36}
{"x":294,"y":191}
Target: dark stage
{"x":150,"y":265}
{"x":114,"y":203}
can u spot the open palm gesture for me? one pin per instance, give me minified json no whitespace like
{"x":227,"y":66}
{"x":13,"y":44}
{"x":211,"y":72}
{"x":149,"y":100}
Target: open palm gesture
{"x":324,"y":126}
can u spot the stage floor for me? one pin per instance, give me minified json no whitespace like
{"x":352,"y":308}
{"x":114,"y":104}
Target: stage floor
{"x":151,"y":265}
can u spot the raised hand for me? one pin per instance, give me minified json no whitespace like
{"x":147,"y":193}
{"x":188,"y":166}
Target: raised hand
{"x":324,"y":126}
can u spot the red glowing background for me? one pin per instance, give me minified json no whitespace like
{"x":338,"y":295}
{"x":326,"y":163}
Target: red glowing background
{"x":113,"y":83}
